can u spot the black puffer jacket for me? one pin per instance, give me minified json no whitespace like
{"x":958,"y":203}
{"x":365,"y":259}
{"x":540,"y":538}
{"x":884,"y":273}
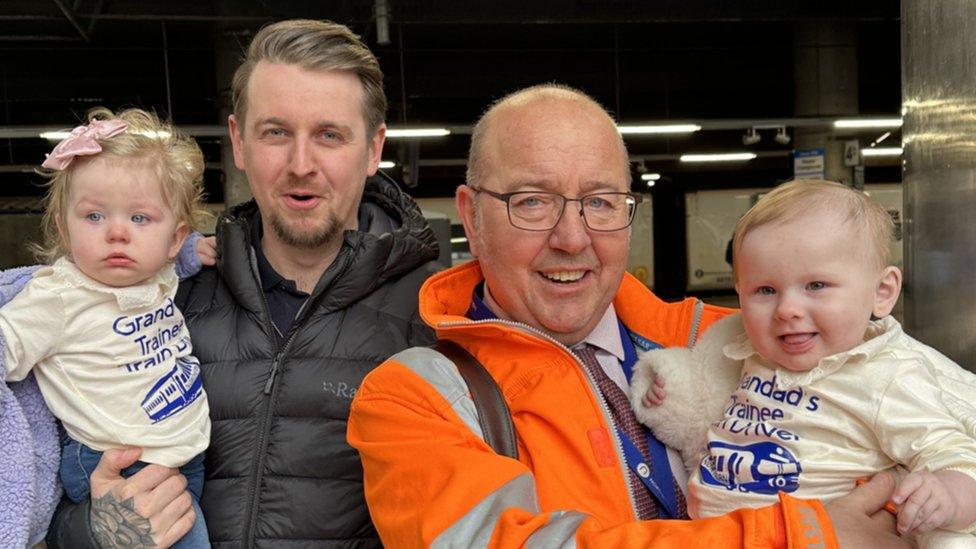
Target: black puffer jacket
{"x":278,"y":471}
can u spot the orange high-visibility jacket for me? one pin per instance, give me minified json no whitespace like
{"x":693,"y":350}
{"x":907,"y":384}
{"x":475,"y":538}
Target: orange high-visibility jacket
{"x":431,"y":480}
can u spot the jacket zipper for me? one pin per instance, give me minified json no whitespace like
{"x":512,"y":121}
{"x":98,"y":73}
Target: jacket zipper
{"x":257,"y":473}
{"x":255,"y":479}
{"x":270,"y":388}
{"x":618,"y":444}
{"x":696,"y":323}
{"x":272,"y":374}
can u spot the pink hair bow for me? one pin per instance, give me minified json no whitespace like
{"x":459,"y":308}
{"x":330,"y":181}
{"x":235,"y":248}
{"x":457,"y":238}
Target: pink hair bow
{"x":83,"y":141}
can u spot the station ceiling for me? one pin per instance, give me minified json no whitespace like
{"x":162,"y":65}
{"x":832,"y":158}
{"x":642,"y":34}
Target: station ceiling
{"x":444,"y":62}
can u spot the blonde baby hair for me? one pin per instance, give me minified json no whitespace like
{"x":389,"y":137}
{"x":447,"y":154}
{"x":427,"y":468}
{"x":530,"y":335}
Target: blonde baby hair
{"x":175,"y":157}
{"x":805,"y":196}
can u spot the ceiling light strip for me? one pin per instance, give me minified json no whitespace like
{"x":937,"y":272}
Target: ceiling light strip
{"x":61,"y":135}
{"x":882,"y":151}
{"x":717,"y":157}
{"x":658,"y":129}
{"x":853,"y":123}
{"x":395,"y":133}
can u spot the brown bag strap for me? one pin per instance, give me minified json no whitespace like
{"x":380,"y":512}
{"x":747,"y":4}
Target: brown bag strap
{"x":493,"y":414}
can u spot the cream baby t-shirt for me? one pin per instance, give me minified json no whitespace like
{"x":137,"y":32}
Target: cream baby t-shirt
{"x":891,"y":400}
{"x":115,"y":365}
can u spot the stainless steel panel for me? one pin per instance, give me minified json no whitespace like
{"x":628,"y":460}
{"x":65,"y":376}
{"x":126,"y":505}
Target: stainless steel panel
{"x":939,"y":136}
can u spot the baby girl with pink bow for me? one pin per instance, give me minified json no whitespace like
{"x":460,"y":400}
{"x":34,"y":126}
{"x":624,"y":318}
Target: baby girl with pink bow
{"x":98,"y":326}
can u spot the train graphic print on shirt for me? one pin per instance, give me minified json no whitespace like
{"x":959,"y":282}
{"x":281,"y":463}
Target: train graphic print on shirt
{"x":763,"y":467}
{"x":177,"y":387}
{"x":749,"y":448}
{"x":175,"y":390}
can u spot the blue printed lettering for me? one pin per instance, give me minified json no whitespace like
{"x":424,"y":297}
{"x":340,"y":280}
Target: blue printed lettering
{"x":148,"y":344}
{"x":163,"y":355}
{"x":746,"y":410}
{"x":183,"y":344}
{"x":814,"y":404}
{"x":764,"y":387}
{"x":750,"y":428}
{"x":126,"y":325}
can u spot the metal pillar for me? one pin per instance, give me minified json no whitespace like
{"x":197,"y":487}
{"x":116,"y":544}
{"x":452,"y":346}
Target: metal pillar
{"x":825,"y":79}
{"x":939,"y":137}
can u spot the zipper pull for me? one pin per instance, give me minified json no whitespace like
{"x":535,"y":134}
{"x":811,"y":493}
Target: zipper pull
{"x":271,"y":376}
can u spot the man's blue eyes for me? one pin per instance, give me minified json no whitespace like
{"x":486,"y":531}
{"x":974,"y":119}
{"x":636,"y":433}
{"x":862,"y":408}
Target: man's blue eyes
{"x":278,"y":132}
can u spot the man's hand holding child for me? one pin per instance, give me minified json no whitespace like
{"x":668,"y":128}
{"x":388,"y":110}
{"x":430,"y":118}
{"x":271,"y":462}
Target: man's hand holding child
{"x":149,"y":509}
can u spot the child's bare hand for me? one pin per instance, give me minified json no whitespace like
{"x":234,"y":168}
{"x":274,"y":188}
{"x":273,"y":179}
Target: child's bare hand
{"x":925,"y":503}
{"x":207,"y":250}
{"x":656,"y":394}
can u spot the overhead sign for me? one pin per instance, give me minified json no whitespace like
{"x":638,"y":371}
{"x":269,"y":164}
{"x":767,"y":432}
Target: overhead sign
{"x":808,"y":164}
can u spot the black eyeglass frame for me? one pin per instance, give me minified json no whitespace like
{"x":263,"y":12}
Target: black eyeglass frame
{"x":507,"y":197}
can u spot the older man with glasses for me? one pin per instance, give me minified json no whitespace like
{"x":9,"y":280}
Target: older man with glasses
{"x":549,"y":311}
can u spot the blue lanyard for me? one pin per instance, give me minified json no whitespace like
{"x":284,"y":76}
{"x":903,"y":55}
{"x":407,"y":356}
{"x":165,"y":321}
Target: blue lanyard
{"x":658,"y":479}
{"x":478,"y":310}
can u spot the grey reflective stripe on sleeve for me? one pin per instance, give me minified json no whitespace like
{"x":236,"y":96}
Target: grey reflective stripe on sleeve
{"x":476,"y":527}
{"x":559,"y":533}
{"x":443,"y":376}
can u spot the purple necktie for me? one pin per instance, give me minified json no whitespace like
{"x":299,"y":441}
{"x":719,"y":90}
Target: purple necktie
{"x":623,"y":417}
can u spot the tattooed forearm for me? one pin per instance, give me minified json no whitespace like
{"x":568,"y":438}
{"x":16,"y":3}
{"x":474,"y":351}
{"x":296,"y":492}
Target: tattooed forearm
{"x":116,"y":524}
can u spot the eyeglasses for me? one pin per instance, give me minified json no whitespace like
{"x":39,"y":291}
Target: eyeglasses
{"x":541,"y":211}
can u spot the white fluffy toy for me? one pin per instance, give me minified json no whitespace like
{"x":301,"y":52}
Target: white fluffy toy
{"x":698,"y":384}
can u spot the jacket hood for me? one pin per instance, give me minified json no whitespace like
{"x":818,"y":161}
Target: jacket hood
{"x":393,"y":238}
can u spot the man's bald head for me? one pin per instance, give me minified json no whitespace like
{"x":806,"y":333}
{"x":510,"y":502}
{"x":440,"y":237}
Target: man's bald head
{"x":516,"y":107}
